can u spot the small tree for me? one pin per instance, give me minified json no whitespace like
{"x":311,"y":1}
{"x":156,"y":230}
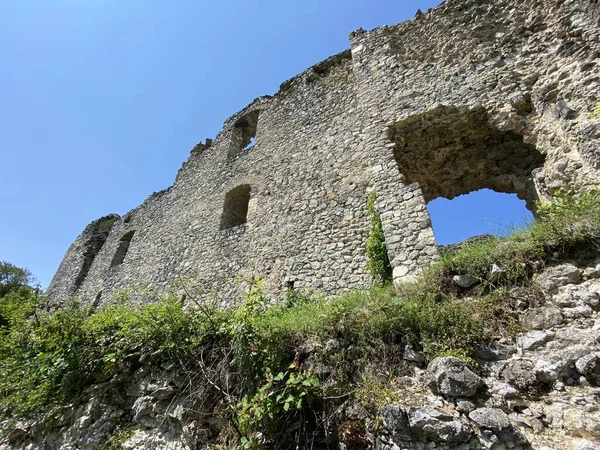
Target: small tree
{"x":378,"y":262}
{"x":13,"y":277}
{"x":17,"y":296}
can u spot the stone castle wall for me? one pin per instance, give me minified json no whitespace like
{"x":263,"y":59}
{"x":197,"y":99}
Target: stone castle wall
{"x":469,"y":95}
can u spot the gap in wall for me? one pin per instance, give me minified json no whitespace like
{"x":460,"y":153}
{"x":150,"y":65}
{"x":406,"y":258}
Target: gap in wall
{"x":122,"y":249}
{"x":479,"y":212}
{"x":243,"y":134}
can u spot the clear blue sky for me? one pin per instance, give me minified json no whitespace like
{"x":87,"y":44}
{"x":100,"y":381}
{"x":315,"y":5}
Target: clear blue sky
{"x":101,"y":101}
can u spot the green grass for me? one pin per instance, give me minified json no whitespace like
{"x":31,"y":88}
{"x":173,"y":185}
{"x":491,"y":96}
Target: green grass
{"x":47,"y":358}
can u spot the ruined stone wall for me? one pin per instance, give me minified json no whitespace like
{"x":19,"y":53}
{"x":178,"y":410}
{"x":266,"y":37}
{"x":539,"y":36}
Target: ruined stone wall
{"x":470,"y":95}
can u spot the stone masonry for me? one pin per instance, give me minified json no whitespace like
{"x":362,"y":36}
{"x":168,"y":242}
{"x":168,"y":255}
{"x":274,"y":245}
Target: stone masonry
{"x":472,"y":94}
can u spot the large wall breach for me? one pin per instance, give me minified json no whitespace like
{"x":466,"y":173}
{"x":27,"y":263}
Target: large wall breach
{"x":471,"y":94}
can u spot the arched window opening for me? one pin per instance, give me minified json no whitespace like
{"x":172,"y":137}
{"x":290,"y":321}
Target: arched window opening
{"x":122,"y":249}
{"x":235,"y":208}
{"x":477,"y":213}
{"x":243,"y":135}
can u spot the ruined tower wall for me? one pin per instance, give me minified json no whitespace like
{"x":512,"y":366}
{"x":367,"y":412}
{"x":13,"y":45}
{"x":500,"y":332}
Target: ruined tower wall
{"x":472,"y":94}
{"x":531,"y":65}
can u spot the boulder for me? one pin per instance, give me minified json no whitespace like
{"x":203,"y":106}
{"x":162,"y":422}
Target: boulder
{"x":494,"y":351}
{"x":410,"y":354}
{"x":534,"y":339}
{"x":430,"y":424}
{"x":451,"y":377}
{"x":589,"y":366}
{"x":407,"y":423}
{"x":560,"y":364}
{"x":142,"y":407}
{"x":395,"y":422}
{"x":494,"y":421}
{"x":465,"y":281}
{"x":520,"y":374}
{"x":541,"y":318}
{"x":560,"y":275}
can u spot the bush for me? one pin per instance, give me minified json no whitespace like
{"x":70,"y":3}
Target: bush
{"x":378,"y":262}
{"x":261,"y":351}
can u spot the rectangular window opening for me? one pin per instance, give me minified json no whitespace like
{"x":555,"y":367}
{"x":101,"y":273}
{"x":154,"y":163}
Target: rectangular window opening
{"x":235,"y":208}
{"x":122,"y":249}
{"x":243,"y":135}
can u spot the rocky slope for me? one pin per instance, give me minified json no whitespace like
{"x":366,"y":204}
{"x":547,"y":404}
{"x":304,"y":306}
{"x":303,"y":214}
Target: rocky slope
{"x":540,"y":390}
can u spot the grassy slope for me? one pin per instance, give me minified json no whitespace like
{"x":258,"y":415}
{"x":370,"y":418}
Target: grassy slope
{"x":46,"y":359}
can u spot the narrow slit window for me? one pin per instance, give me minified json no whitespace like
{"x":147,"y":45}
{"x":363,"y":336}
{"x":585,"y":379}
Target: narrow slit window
{"x":122,"y":249}
{"x":235,"y":208}
{"x":97,"y":300}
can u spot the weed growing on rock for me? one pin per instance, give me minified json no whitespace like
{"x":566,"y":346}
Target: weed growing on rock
{"x":595,"y":114}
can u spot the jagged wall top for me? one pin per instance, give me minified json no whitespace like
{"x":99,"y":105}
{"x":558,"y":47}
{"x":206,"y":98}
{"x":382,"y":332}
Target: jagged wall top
{"x":471,"y":94}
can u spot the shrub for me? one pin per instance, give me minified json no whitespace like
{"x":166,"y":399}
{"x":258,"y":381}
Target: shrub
{"x":260,"y":351}
{"x":378,"y":263}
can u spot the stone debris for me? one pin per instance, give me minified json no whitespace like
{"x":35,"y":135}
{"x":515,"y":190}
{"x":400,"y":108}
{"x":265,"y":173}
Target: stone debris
{"x":534,"y":339}
{"x":494,"y":351}
{"x":465,"y":281}
{"x":451,"y":377}
{"x":495,"y":427}
{"x":558,"y":276}
{"x":423,"y":424}
{"x":541,"y":318}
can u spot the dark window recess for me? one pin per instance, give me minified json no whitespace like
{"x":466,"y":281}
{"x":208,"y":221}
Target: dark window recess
{"x":243,"y":135}
{"x":97,"y":300}
{"x":235,"y":209}
{"x":122,"y":249}
{"x":97,"y":233}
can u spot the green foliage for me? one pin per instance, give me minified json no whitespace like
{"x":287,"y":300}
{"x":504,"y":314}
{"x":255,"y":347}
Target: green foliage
{"x":374,"y":393}
{"x":513,"y":255}
{"x":286,"y":392}
{"x":569,"y":219}
{"x":18,"y":299}
{"x":254,"y":353}
{"x":36,"y":356}
{"x":119,"y":437}
{"x":47,"y":358}
{"x":595,"y":114}
{"x":378,"y":263}
{"x":13,"y":277}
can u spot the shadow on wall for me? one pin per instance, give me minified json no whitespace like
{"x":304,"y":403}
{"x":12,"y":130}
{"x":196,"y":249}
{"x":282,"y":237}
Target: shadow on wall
{"x":122,"y":249}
